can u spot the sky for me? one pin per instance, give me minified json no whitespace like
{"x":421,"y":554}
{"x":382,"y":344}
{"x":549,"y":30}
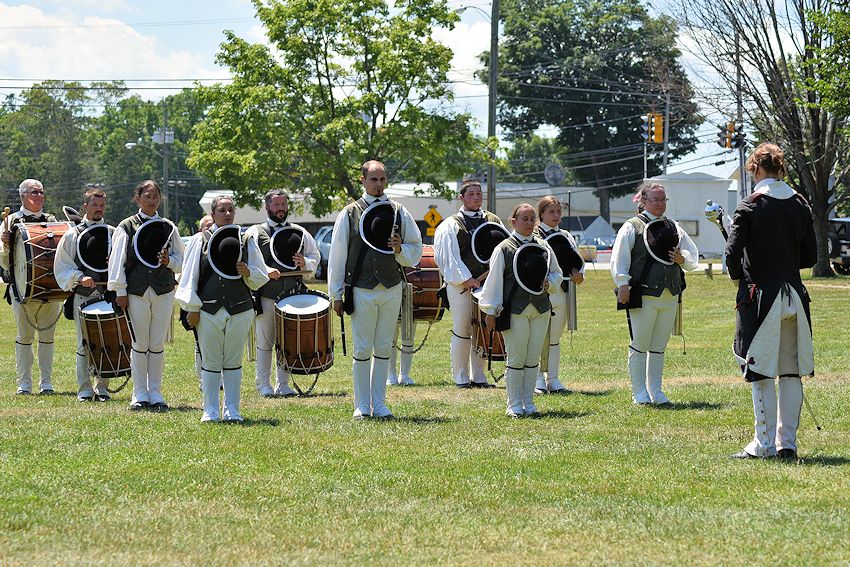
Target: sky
{"x":160,"y":46}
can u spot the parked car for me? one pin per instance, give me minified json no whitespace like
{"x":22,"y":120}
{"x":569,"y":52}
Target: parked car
{"x":839,"y":245}
{"x":323,"y":242}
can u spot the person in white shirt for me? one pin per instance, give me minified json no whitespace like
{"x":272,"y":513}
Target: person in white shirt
{"x":221,"y":308}
{"x":34,"y":316}
{"x":280,"y":285}
{"x":376,"y":287}
{"x":86,"y":280}
{"x":147,"y":294}
{"x":463,"y":273}
{"x":549,"y":212}
{"x":659,"y":282}
{"x":507,"y":288}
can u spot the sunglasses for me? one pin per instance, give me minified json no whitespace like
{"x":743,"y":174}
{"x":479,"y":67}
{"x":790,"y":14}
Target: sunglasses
{"x":37,"y":193}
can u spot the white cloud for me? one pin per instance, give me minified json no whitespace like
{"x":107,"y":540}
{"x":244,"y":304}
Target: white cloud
{"x":36,"y":45}
{"x":468,"y":41}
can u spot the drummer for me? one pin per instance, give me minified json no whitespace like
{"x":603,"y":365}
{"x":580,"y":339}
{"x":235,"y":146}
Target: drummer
{"x":377,"y":286}
{"x":463,"y":272}
{"x":34,"y":315}
{"x":562,"y":242}
{"x":82,"y":269}
{"x":147,"y":294}
{"x":221,"y":308}
{"x":521,"y":285}
{"x":302,"y":257}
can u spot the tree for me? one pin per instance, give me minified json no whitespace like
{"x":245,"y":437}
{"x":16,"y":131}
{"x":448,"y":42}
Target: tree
{"x":343,"y":81}
{"x":778,"y":49}
{"x":528,"y":157}
{"x":591,"y":68}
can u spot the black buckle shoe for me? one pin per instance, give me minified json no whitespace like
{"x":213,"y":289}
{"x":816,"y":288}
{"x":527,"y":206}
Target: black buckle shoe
{"x":786,"y":455}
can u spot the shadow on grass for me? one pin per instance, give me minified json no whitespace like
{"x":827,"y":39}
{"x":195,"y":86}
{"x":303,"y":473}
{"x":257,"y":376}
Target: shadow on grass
{"x":324,"y":395}
{"x":695,"y":405}
{"x":56,"y":395}
{"x":823,"y":461}
{"x":560,"y":414}
{"x":415,"y":420}
{"x":589,"y":393}
{"x":261,"y":422}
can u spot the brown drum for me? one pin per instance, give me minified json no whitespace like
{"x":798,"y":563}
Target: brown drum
{"x":106,"y":338}
{"x":426,"y":280}
{"x":31,"y":261}
{"x":303,"y":333}
{"x":484,"y":343}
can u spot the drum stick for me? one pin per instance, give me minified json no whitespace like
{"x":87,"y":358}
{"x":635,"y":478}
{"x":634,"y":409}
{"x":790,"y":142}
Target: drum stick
{"x":6,"y":212}
{"x":479,"y":278}
{"x":342,"y":330}
{"x":295,"y":273}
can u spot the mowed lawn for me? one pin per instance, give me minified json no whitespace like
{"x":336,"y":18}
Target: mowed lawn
{"x":595,"y":480}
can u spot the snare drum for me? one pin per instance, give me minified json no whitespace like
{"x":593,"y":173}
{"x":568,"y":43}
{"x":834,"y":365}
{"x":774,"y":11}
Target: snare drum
{"x":304,"y":333}
{"x":484,"y":343}
{"x":32,"y":261}
{"x":426,"y":280}
{"x":106,"y":338}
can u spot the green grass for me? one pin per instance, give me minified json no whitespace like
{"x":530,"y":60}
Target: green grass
{"x":452,"y":481}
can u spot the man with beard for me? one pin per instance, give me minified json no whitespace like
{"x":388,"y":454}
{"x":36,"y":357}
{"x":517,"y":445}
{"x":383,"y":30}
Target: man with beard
{"x":374,"y":279}
{"x":78,"y":272}
{"x":279,"y":285}
{"x":35,"y":315}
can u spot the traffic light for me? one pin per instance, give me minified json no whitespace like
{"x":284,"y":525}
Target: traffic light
{"x":658,"y":128}
{"x":724,"y":137}
{"x":739,"y":138}
{"x":646,"y":127}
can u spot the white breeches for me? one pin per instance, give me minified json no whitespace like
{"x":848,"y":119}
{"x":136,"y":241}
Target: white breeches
{"x":650,"y":328}
{"x":466,"y":364}
{"x":523,"y":342}
{"x":222,"y":338}
{"x":28,"y":316}
{"x":150,"y":315}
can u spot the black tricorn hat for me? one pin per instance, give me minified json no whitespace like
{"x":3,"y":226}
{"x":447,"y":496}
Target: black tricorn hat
{"x":93,"y":248}
{"x":660,"y":237}
{"x":376,"y":225}
{"x":567,"y":256}
{"x":285,"y":243}
{"x":531,"y":267}
{"x":485,"y":238}
{"x":72,"y":214}
{"x":150,"y":240}
{"x":224,"y":250}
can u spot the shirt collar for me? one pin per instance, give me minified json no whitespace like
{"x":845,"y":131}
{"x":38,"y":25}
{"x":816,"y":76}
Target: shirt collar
{"x":89,"y":222}
{"x":650,"y":216}
{"x":774,"y":188}
{"x":146,"y":217}
{"x":26,"y":212}
{"x":522,"y":238}
{"x":370,"y":199}
{"x":276,"y":225}
{"x":474,"y":214}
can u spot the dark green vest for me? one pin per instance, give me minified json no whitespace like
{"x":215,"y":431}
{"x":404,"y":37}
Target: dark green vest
{"x":466,"y":226}
{"x":377,"y":267}
{"x":275,"y":289}
{"x":45,"y":217}
{"x":520,"y":298}
{"x":658,"y":275}
{"x":139,"y":276}
{"x":217,"y":292}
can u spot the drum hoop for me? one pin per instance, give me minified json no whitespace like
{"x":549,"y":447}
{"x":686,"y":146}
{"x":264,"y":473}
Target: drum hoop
{"x":666,"y":262}
{"x":304,"y":292}
{"x":516,"y":274}
{"x":136,"y":240}
{"x":472,"y":239}
{"x":108,"y":247}
{"x":376,"y":204}
{"x":238,"y":259}
{"x":300,"y":247}
{"x":29,"y":271}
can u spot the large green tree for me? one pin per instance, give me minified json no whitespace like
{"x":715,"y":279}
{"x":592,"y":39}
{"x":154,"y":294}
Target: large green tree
{"x":778,"y":49}
{"x":342,"y":81}
{"x":591,"y":68}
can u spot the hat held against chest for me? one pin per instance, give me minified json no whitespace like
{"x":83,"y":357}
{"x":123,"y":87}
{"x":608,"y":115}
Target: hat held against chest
{"x":150,"y":240}
{"x":224,"y":251}
{"x":531,"y":267}
{"x":485,"y":238}
{"x":377,"y":224}
{"x":660,"y":237}
{"x":93,"y":248}
{"x":286,"y":243}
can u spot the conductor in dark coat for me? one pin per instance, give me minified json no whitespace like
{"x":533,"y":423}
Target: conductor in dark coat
{"x":771,"y":240}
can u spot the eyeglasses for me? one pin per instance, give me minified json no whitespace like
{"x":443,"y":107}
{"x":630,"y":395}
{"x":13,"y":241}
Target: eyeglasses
{"x":37,"y":193}
{"x":656,"y":200}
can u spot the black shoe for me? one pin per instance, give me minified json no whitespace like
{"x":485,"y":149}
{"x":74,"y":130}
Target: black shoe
{"x":786,"y":455}
{"x":138,"y":406}
{"x":47,"y":392}
{"x":742,"y":454}
{"x":84,"y":398}
{"x":561,"y":392}
{"x":482,"y":385}
{"x":465,"y":385}
{"x":102,"y":397}
{"x":159,"y":407}
{"x":22,"y":392}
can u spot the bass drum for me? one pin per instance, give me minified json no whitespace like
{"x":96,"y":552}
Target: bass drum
{"x":304,"y":333}
{"x":31,"y":261}
{"x":427,"y":281}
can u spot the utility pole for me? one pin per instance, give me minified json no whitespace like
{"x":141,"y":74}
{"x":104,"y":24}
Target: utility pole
{"x":491,"y":122}
{"x":666,"y":132}
{"x":743,"y":190}
{"x":165,"y":160}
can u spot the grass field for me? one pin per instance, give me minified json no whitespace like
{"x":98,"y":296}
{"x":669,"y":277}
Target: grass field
{"x":595,"y":480}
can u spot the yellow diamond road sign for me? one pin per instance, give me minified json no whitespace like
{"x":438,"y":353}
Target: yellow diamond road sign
{"x":432,"y":217}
